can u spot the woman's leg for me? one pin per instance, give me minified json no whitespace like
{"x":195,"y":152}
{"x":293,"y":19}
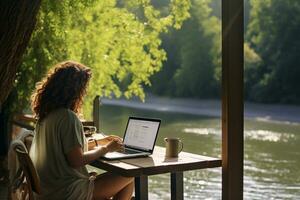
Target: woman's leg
{"x":126,"y":192}
{"x":110,"y":185}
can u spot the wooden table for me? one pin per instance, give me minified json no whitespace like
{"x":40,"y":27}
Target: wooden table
{"x":141,"y":168}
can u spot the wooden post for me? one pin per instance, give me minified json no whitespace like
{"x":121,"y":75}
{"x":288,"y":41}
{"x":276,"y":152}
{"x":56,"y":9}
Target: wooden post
{"x":232,"y":99}
{"x":96,"y":112}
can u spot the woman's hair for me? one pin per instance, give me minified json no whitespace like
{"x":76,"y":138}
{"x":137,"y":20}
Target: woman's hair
{"x":63,"y":87}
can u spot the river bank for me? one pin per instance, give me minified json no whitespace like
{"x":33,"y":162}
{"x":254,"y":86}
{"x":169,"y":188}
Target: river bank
{"x":211,"y":108}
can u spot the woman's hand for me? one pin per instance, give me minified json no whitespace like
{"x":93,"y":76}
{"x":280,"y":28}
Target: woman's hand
{"x":93,"y":143}
{"x":77,"y":158}
{"x":114,"y":145}
{"x":107,"y":139}
{"x":111,"y":138}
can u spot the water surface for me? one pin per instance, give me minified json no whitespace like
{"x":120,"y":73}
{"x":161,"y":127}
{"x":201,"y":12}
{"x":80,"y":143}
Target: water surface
{"x":272,"y":156}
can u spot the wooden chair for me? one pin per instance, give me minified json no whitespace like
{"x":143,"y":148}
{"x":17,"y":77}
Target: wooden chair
{"x":30,"y":181}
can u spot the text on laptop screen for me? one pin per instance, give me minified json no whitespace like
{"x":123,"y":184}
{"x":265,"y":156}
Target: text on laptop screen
{"x":141,"y":133}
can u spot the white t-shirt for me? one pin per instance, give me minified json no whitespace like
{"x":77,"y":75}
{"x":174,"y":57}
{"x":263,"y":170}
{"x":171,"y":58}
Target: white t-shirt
{"x":55,"y":136}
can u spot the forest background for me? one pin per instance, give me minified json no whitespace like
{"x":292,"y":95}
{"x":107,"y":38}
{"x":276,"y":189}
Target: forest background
{"x":168,"y":48}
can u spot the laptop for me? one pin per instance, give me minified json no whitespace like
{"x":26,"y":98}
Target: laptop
{"x":139,"y":138}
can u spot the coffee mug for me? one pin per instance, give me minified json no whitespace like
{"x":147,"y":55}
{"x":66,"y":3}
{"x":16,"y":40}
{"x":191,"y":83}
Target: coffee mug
{"x":173,"y":147}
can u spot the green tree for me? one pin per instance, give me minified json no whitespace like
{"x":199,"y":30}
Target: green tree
{"x":274,"y":33}
{"x":251,"y":69}
{"x":193,"y":65}
{"x":118,"y":40}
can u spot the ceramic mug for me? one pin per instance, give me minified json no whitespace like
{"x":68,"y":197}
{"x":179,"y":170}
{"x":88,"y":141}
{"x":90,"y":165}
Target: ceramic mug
{"x":173,"y":147}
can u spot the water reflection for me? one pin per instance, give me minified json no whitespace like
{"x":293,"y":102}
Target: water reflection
{"x":261,"y":135}
{"x":266,"y":135}
{"x":272,"y":156}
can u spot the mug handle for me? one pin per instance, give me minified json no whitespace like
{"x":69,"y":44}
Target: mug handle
{"x":181,"y":146}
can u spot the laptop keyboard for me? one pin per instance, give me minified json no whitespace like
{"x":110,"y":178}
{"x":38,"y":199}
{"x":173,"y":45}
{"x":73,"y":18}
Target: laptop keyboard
{"x":129,"y":151}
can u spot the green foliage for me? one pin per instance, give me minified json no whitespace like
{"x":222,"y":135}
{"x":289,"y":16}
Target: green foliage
{"x":126,"y":42}
{"x":251,"y":69}
{"x":118,"y":40}
{"x":274,"y":32}
{"x":193,"y":64}
{"x":271,"y":53}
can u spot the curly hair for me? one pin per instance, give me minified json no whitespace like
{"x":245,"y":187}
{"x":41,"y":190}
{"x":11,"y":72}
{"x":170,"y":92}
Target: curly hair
{"x":63,"y":87}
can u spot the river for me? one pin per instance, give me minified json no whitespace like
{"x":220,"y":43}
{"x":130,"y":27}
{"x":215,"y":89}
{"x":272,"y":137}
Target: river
{"x":272,"y":156}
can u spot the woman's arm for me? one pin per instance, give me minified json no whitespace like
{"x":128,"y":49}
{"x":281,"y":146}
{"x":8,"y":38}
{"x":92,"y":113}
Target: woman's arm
{"x":77,"y":158}
{"x":103,"y":141}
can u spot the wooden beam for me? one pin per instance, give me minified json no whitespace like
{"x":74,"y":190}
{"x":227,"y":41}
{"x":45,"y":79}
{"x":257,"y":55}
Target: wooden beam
{"x":232,"y":99}
{"x":96,"y":112}
{"x":23,"y":125}
{"x":24,"y":121}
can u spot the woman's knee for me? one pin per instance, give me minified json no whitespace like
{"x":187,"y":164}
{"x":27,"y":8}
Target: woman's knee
{"x":131,"y":179}
{"x":107,"y":185}
{"x":127,"y":179}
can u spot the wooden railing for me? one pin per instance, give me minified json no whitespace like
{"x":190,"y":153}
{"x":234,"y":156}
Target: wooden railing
{"x":28,"y":121}
{"x":24,"y":121}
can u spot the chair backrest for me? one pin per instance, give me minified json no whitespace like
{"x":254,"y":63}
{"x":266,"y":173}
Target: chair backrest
{"x":29,"y":171}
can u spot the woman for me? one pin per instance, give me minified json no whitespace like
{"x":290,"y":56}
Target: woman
{"x":57,"y":149}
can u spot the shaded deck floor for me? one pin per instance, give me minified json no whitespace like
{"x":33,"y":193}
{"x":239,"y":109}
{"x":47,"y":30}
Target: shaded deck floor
{"x":3,"y":179}
{"x":3,"y":184}
{"x":3,"y":192}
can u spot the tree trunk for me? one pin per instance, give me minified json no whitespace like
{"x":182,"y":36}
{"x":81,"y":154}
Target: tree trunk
{"x":5,"y":123}
{"x":17,"y":21}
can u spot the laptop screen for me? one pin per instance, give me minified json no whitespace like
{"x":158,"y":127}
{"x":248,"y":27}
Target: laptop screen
{"x":141,"y":133}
